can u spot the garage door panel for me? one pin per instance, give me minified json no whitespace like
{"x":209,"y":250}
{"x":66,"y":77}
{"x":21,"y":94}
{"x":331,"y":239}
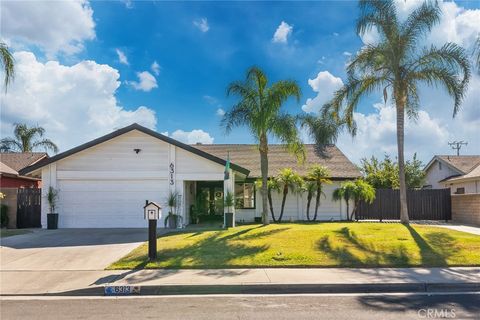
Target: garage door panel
{"x":107,"y":204}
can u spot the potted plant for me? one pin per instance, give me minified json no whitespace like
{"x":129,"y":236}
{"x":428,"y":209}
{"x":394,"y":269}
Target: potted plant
{"x":173,"y":220}
{"x":52,"y":217}
{"x":229,"y":203}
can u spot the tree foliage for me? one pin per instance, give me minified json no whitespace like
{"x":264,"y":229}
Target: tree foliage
{"x":27,"y":139}
{"x":288,"y":180}
{"x":356,"y":191}
{"x":383,"y":174}
{"x":8,"y":64}
{"x":319,"y":175}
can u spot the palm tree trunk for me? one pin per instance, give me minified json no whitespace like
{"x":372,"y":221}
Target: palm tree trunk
{"x":348,"y":209}
{"x":285,"y":192}
{"x":317,"y":201}
{"x":264,"y":170}
{"x":309,"y":200}
{"x":270,"y":202}
{"x":401,"y":159}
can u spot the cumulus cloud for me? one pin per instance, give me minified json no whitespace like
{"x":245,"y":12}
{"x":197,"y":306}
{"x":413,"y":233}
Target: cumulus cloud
{"x":282,"y":33}
{"x":54,"y":27}
{"x":191,"y":137}
{"x":122,"y":57}
{"x":346,"y":53}
{"x":146,"y":81}
{"x":73,"y":103}
{"x":201,"y":24}
{"x":325,"y":84}
{"x":220,"y":112}
{"x":155,"y":68}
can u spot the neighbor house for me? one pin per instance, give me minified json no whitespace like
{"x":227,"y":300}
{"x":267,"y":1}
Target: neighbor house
{"x":105,"y":182}
{"x":454,"y":172}
{"x":12,"y":162}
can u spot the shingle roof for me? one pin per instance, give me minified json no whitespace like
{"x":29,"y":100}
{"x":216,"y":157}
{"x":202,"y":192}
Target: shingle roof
{"x":20,"y":160}
{"x":474,"y":174}
{"x":4,"y":169}
{"x":463,"y":163}
{"x":247,"y":156}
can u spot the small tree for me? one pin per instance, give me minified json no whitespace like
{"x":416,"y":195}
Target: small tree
{"x":173,"y":204}
{"x":229,"y":201}
{"x":52,"y":197}
{"x":288,"y":180}
{"x":310,"y":187}
{"x":320,"y":175}
{"x":272,"y":185}
{"x":354,"y":190}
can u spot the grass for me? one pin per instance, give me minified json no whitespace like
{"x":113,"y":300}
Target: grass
{"x":311,"y":245}
{"x":12,"y":232}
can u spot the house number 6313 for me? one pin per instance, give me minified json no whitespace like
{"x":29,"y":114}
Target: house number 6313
{"x":172,"y":171}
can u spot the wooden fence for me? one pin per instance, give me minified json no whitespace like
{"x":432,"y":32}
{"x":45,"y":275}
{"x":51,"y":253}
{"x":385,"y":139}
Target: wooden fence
{"x":28,"y":208}
{"x":432,"y":204}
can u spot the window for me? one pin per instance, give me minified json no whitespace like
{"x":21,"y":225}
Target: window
{"x":244,"y":195}
{"x":460,"y":191}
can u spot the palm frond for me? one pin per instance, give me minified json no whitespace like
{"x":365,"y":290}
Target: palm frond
{"x":8,"y":64}
{"x":45,"y":143}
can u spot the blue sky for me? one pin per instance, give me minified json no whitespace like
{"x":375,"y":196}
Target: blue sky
{"x":71,"y":79}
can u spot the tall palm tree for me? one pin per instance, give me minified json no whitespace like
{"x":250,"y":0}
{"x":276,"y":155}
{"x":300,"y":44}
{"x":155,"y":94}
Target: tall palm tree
{"x":259,"y":109}
{"x":324,"y":129}
{"x":319,"y":175}
{"x":24,"y":140}
{"x":476,"y":53}
{"x":7,"y":62}
{"x":289,"y":180}
{"x":398,"y":66}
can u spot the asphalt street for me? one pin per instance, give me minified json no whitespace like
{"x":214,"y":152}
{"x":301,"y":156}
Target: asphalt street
{"x":358,"y":307}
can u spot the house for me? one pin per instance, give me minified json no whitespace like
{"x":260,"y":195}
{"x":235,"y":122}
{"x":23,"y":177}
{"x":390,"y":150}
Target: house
{"x":445,"y":171}
{"x":105,"y":182}
{"x":12,"y":162}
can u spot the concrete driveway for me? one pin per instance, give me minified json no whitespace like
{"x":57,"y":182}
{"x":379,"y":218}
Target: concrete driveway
{"x":68,"y":249}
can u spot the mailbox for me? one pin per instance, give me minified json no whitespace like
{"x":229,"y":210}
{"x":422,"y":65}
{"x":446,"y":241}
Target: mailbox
{"x":152,"y":211}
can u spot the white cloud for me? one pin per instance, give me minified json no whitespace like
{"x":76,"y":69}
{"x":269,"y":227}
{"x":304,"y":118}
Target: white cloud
{"x":336,"y":34}
{"x":155,"y":68}
{"x":220,"y":112}
{"x":325,"y":84}
{"x":53,"y":26}
{"x":192,"y":137}
{"x":122,"y":57}
{"x":346,"y":53}
{"x":146,"y":82}
{"x":282,"y":33}
{"x":210,"y":99}
{"x":73,"y":103}
{"x":201,"y":24}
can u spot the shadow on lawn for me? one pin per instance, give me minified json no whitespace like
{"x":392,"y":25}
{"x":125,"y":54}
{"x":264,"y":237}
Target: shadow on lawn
{"x":374,"y":257}
{"x":435,"y":248}
{"x":215,"y":250}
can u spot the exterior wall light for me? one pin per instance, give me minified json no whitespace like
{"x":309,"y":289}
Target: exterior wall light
{"x":137,"y":150}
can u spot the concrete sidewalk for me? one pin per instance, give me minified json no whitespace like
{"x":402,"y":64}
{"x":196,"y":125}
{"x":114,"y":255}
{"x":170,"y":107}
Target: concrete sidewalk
{"x":381,"y":279}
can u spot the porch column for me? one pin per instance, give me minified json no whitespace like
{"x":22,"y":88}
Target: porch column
{"x":229,"y":186}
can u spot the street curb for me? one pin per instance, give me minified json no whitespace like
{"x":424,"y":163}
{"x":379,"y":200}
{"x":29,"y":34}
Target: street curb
{"x":419,"y":287}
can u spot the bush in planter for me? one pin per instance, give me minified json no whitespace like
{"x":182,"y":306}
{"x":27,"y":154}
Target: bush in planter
{"x":173,"y":219}
{"x":52,"y":217}
{"x":229,"y":203}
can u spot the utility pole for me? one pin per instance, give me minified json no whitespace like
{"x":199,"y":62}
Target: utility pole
{"x":457,"y":145}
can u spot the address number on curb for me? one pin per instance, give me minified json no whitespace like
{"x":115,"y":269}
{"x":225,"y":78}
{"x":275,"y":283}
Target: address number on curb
{"x":121,"y":290}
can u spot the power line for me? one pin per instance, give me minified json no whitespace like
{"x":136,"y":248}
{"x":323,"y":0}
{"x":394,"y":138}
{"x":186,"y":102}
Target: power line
{"x":457,"y":145}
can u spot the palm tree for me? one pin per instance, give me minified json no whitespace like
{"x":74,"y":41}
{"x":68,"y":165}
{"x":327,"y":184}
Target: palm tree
{"x":272,"y":185}
{"x":288,"y":180}
{"x":354,"y":190}
{"x":323,"y":129}
{"x":259,"y":109}
{"x":24,"y":140}
{"x":319,"y":175}
{"x":310,"y":188}
{"x":397,"y":65}
{"x":7,"y":62}
{"x":476,"y":53}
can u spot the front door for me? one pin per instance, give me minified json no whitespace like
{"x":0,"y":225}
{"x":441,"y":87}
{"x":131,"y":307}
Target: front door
{"x":212,"y":199}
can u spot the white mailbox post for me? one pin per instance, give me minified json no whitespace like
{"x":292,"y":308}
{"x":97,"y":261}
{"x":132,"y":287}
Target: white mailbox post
{"x":152,"y":212}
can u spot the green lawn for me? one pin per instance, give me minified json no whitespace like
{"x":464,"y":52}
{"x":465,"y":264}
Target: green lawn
{"x":12,"y":232}
{"x":311,"y":245}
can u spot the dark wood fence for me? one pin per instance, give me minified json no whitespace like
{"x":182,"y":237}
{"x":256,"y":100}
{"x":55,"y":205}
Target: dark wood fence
{"x":433,"y":204}
{"x":28,"y":208}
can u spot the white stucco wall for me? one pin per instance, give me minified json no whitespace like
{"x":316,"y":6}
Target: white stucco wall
{"x":434,"y":174}
{"x":472,"y":186}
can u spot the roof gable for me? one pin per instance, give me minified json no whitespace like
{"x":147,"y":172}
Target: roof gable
{"x":461,"y":164}
{"x":122,"y":131}
{"x":19,"y":160}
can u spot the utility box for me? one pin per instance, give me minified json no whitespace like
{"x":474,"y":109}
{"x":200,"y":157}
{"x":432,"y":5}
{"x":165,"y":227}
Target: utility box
{"x":152,"y":211}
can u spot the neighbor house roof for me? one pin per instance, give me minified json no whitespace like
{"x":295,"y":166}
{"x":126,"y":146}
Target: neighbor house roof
{"x":124,"y":130}
{"x":19,"y":160}
{"x":247,"y":156}
{"x":462,"y":164}
{"x":9,"y":172}
{"x":474,"y":174}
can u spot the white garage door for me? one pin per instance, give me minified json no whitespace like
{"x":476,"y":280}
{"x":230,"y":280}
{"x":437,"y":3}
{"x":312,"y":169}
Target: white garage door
{"x":107,"y":203}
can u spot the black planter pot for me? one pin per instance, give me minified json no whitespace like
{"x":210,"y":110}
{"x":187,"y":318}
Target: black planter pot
{"x":52,"y":220}
{"x":228,"y":219}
